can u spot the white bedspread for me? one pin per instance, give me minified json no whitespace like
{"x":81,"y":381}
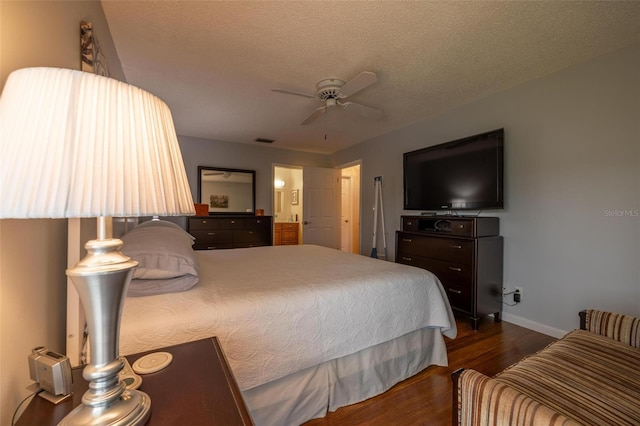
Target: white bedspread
{"x":280,"y":309}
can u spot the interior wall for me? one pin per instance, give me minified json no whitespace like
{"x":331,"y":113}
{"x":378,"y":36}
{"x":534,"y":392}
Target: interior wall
{"x":203,"y":152}
{"x":571,"y":223}
{"x":33,"y":252}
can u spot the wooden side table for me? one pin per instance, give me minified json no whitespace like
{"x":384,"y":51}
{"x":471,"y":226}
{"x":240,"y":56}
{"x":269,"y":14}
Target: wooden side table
{"x":197,"y":388}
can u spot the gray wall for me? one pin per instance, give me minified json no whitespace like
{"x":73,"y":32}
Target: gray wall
{"x":203,"y":152}
{"x":571,"y":225}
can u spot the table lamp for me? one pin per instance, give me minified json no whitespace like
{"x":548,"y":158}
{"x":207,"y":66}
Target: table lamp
{"x":75,"y":144}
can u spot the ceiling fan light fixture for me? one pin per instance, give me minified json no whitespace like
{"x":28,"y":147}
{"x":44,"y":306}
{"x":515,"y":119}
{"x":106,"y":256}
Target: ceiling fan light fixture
{"x":331,"y":90}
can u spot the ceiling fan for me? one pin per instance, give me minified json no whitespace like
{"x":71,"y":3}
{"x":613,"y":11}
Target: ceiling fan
{"x":333,"y":91}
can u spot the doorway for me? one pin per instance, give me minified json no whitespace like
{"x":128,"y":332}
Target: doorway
{"x":289,"y":206}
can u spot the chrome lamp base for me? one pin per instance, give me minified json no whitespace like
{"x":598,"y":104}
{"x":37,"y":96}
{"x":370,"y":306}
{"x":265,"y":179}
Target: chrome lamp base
{"x":102,"y":279}
{"x":132,"y":408}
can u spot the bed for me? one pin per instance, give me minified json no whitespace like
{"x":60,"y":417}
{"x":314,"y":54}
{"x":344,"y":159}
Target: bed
{"x":306,"y":329}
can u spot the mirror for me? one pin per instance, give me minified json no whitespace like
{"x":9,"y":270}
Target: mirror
{"x":227,"y":191}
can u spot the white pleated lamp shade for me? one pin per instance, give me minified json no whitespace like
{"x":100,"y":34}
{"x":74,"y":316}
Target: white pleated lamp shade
{"x":75,"y":144}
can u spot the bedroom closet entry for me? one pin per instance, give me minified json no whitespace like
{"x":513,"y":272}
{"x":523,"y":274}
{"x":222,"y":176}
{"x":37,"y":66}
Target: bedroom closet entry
{"x":321,"y":204}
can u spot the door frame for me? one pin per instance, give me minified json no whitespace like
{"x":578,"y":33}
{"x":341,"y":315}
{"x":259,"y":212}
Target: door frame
{"x":356,"y":204}
{"x":356,"y":222}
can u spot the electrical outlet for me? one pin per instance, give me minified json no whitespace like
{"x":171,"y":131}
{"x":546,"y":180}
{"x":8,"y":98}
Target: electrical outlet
{"x":517,"y":296}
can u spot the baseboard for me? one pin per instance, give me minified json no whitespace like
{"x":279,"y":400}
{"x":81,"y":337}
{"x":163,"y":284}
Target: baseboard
{"x":532,"y":325}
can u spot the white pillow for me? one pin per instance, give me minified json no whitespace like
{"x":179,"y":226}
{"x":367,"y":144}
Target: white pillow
{"x":165,"y":223}
{"x":150,"y":287}
{"x":163,"y":252}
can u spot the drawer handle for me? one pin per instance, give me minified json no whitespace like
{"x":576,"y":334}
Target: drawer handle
{"x":233,"y":221}
{"x":251,"y":232}
{"x":406,"y":240}
{"x":211,"y":248}
{"x":406,"y":258}
{"x":453,"y":268}
{"x":453,"y":290}
{"x":456,"y":247}
{"x":211,"y":233}
{"x":409,"y":223}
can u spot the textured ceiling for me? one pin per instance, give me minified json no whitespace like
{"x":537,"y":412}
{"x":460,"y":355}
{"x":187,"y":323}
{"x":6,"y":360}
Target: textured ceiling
{"x":215,"y":62}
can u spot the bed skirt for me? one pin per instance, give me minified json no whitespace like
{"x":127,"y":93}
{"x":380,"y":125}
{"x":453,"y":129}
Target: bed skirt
{"x":315,"y":391}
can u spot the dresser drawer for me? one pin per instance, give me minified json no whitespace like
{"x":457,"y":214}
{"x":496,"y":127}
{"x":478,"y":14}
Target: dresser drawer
{"x":212,"y":246}
{"x":457,"y":280}
{"x":461,"y":299}
{"x":246,"y":244}
{"x":409,"y":224}
{"x":258,"y":224}
{"x":450,"y":274}
{"x":213,"y":236}
{"x":461,"y":228}
{"x":199,"y":223}
{"x":449,"y":249}
{"x":212,"y":239}
{"x":249,"y":235}
{"x":232,"y":223}
{"x":288,"y":226}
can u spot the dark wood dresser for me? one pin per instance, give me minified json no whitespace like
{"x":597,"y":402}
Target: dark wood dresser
{"x":465,"y":253}
{"x":226,"y":232}
{"x":197,"y":388}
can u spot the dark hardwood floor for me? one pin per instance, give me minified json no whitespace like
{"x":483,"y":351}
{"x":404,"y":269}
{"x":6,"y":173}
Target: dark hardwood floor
{"x":425,"y":399}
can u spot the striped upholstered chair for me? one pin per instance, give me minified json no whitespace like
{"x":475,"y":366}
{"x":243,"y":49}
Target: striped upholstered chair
{"x":589,"y":377}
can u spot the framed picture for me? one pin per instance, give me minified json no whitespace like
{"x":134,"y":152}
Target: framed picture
{"x":294,"y":197}
{"x":219,"y":201}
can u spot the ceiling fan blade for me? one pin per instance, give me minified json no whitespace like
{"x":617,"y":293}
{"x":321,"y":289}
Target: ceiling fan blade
{"x":291,"y":92}
{"x":361,"y":81}
{"x":314,"y":116}
{"x":363,"y":110}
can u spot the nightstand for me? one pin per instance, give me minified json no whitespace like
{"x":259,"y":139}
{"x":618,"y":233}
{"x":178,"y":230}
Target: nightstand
{"x":197,"y":388}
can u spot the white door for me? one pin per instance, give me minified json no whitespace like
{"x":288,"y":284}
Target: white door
{"x":345,"y":214}
{"x":321,"y":207}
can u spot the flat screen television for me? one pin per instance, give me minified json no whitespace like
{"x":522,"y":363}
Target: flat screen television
{"x":465,"y":174}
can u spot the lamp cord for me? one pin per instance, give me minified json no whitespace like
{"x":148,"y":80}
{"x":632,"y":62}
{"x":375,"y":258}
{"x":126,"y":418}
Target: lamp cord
{"x":13,"y":418}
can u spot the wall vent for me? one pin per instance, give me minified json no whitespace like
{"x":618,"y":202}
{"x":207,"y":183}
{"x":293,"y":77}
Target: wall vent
{"x":264,"y":140}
